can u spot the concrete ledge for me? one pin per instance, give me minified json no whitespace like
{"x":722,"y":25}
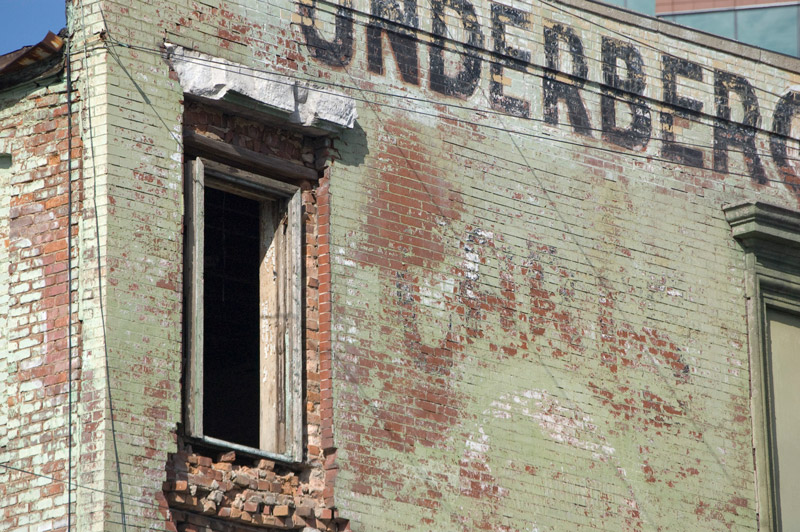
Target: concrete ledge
{"x":757,"y":221}
{"x":215,"y":79}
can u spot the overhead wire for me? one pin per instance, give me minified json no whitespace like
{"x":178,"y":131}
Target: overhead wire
{"x":253,"y":72}
{"x":141,"y":503}
{"x":430,"y":36}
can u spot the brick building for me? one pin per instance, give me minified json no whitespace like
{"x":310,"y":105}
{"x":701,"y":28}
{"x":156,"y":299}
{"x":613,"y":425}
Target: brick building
{"x":446,"y":265}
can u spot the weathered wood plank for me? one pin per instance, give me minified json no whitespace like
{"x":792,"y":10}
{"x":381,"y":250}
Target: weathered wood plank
{"x":282,"y":273}
{"x":193,"y":278}
{"x":270,"y":404}
{"x":295,"y":322}
{"x":245,"y":183}
{"x":268,"y":165}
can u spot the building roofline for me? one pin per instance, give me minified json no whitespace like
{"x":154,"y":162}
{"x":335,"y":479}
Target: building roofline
{"x":32,"y":62}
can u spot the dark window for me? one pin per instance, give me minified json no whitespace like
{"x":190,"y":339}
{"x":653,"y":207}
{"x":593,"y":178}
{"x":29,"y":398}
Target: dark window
{"x":243,"y":291}
{"x":231,"y":320}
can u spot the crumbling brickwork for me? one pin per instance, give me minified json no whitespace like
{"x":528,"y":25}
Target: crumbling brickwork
{"x":256,"y":491}
{"x":260,"y":494}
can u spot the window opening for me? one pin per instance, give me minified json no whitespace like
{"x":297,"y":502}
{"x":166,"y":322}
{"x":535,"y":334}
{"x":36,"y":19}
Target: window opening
{"x":243,"y":311}
{"x":231,"y":322}
{"x":784,"y":361}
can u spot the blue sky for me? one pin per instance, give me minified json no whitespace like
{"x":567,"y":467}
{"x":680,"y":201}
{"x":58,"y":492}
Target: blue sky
{"x":25,"y":22}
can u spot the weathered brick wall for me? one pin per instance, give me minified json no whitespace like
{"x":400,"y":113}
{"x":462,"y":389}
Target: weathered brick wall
{"x":530,"y":309}
{"x":34,"y":181}
{"x":130,"y":276}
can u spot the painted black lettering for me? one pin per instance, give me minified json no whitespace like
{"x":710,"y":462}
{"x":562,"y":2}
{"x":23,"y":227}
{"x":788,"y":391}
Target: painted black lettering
{"x":507,"y":57}
{"x":337,"y":52}
{"x":555,"y":90}
{"x":788,"y":107}
{"x":401,"y":37}
{"x":629,"y":90}
{"x":728,"y":133}
{"x":671,"y":69}
{"x":462,"y":84}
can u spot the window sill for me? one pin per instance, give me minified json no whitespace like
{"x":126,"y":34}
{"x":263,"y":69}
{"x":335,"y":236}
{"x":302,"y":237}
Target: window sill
{"x":252,"y":452}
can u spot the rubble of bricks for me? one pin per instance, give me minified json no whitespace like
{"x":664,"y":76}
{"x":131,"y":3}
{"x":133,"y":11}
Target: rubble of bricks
{"x":261,"y":494}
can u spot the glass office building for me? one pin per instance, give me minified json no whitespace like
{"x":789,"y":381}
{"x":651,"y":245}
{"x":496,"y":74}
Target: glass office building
{"x":770,"y":25}
{"x":648,"y":7}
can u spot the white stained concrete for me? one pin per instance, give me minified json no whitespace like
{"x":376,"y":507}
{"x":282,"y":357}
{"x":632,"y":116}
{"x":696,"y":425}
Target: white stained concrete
{"x":213,"y":78}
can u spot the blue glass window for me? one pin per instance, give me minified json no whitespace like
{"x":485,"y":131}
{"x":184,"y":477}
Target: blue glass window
{"x":722,"y":23}
{"x":773,"y":28}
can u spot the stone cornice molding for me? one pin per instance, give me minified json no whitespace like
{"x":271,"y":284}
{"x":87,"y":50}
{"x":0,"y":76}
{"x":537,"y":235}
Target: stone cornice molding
{"x":757,"y":225}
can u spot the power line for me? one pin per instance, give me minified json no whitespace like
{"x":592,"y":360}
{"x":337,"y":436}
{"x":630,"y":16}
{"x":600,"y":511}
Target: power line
{"x":409,"y":28}
{"x":223,"y":66}
{"x":139,"y":502}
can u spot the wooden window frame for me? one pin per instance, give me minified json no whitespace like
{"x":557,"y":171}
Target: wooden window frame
{"x":770,"y":236}
{"x":202,"y":172}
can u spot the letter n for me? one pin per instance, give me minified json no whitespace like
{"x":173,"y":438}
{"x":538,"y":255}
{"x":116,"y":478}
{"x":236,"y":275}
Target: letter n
{"x":337,"y":52}
{"x":400,"y":26}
